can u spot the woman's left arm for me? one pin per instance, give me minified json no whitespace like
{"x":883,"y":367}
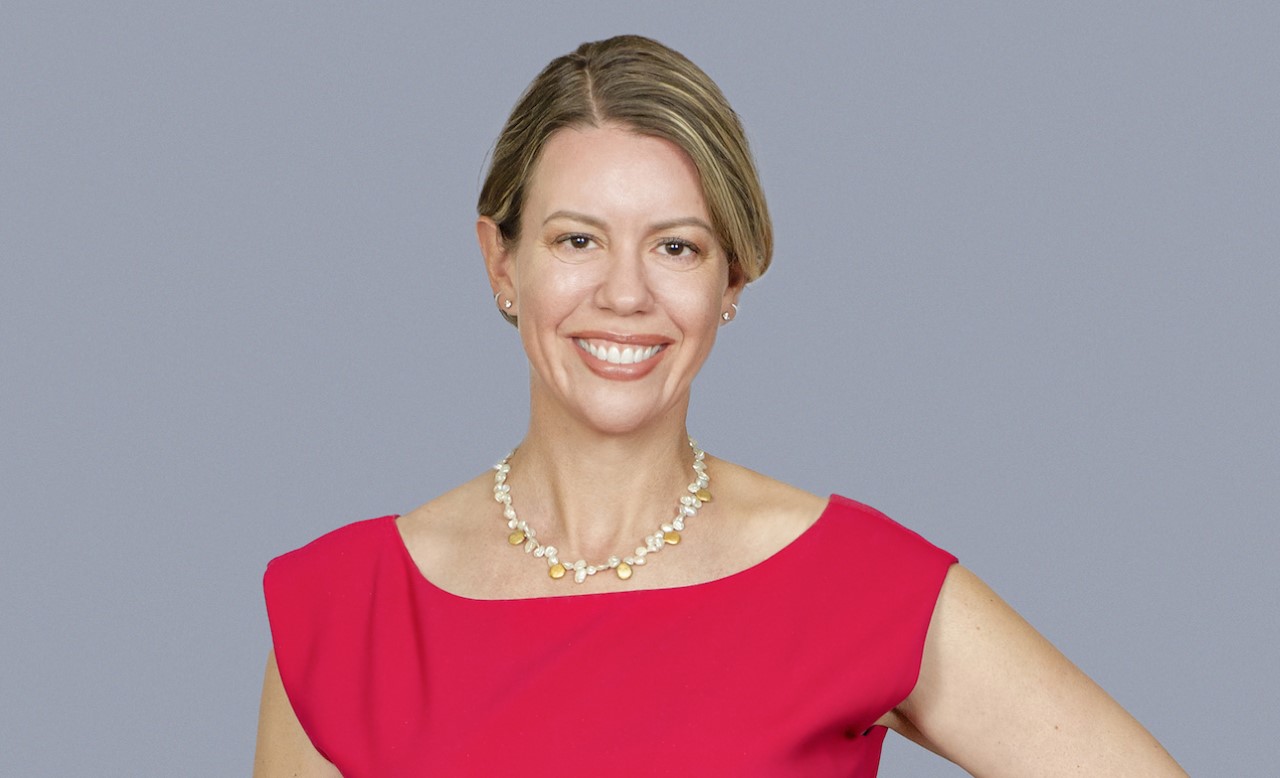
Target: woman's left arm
{"x":998,"y":699}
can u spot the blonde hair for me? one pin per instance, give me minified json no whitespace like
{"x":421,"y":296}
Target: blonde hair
{"x":647,"y":87}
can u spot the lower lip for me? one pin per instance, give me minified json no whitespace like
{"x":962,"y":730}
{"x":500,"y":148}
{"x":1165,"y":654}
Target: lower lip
{"x":619,"y":372}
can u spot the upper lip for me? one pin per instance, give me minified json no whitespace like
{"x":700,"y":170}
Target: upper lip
{"x":626,"y":340}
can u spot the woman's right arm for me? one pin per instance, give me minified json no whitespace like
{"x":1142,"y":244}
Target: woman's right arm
{"x":283,"y":747}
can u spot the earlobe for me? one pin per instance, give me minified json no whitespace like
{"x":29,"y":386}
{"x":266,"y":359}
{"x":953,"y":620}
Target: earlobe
{"x":729,"y":306}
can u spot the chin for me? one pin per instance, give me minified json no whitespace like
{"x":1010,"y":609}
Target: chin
{"x":620,"y":415}
{"x":620,"y":422}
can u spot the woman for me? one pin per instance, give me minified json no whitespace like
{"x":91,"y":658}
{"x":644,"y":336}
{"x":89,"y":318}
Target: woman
{"x":610,"y":596}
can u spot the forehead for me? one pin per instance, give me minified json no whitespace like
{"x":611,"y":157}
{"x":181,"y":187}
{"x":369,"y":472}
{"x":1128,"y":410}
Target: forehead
{"x":616,"y":174}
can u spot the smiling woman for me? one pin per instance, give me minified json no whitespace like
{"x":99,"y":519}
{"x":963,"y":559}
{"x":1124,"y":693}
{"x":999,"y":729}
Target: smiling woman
{"x":671,"y":612}
{"x":616,"y":258}
{"x":635,"y":83}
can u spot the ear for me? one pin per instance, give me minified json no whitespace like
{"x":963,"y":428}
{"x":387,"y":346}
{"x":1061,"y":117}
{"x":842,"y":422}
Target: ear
{"x":498,"y":262}
{"x":732,"y":293}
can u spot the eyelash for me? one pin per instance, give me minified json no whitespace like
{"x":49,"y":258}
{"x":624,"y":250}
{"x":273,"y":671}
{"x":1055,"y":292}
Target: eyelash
{"x":569,"y":240}
{"x":682,"y":243}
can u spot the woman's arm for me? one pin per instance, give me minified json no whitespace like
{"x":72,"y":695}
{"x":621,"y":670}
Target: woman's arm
{"x":283,"y":747}
{"x":998,"y":699}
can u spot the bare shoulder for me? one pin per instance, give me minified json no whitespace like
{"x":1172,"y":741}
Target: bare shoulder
{"x":437,"y":532}
{"x":445,"y":522}
{"x":775,"y":512}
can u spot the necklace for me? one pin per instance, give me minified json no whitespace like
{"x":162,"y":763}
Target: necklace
{"x":667,"y":535}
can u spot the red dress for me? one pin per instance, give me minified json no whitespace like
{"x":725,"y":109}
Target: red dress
{"x":779,"y":670}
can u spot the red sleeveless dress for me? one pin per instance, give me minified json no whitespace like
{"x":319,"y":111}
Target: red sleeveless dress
{"x":779,"y":670}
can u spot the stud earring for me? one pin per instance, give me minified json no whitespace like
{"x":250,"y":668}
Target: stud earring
{"x":505,"y":303}
{"x":725,"y":316}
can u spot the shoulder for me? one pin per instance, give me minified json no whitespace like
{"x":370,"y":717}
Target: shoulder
{"x":336,"y":549}
{"x":447,"y":513}
{"x":763,"y":512}
{"x":435,"y":532}
{"x":753,"y":494}
{"x":327,"y":580}
{"x":881,"y":537}
{"x":781,"y":512}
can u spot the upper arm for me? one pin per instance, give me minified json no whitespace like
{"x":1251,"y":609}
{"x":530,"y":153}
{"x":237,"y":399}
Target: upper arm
{"x":998,"y":699}
{"x":283,"y":747}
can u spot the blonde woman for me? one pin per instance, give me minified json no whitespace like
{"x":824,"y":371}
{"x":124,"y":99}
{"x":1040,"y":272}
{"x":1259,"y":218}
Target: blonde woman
{"x":610,"y":597}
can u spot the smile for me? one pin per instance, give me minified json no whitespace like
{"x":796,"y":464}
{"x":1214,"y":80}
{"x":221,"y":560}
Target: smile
{"x":627,"y":355}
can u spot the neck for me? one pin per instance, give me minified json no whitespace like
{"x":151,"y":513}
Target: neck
{"x":594,"y":494}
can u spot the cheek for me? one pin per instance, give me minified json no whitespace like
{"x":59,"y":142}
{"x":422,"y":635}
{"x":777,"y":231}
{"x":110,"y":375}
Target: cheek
{"x":698,"y":297}
{"x":695,"y":308}
{"x":548,"y":297}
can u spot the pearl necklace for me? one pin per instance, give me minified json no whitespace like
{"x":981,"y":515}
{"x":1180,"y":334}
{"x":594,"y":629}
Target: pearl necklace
{"x":667,"y":535}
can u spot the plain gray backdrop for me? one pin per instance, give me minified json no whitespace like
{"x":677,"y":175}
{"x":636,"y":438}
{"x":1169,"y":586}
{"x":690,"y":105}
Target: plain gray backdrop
{"x":1024,"y":300}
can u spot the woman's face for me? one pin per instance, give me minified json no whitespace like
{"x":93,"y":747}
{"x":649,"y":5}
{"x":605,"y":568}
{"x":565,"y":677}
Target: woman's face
{"x":617,"y":278}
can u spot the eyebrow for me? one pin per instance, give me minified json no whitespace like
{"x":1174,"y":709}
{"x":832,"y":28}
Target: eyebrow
{"x":688,"y":221}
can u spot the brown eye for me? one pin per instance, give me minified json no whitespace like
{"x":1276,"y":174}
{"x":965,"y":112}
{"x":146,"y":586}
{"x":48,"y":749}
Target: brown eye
{"x":678,"y":248}
{"x":576,"y":241}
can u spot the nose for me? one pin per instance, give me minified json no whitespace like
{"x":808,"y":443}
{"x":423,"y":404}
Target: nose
{"x":624,"y":285}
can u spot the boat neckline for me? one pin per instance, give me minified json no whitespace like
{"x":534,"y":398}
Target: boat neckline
{"x":759,"y":568}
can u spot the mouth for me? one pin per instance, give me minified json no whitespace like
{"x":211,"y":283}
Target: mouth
{"x":619,"y":353}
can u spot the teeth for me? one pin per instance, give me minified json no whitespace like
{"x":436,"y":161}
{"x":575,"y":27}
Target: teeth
{"x":628,"y":355}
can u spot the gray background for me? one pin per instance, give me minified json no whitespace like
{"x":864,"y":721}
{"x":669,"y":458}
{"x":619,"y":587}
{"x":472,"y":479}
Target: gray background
{"x":1024,"y":300}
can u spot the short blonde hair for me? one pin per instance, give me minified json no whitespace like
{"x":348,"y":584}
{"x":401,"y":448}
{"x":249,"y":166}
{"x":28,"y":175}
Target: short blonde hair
{"x":647,"y":87}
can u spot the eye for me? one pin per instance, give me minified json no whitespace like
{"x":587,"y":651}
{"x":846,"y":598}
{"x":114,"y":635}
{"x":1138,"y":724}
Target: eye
{"x":576,"y":241}
{"x":678,"y":247}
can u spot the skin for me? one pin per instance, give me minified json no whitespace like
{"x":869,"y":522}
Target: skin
{"x":616,"y":242}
